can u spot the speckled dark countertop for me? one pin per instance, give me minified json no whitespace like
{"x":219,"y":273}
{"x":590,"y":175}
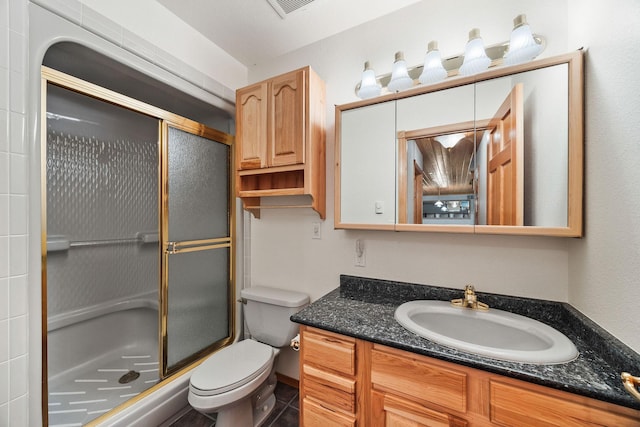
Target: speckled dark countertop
{"x":364,"y":308}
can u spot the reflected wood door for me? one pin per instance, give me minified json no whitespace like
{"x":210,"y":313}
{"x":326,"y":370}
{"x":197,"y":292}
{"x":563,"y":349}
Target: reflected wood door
{"x":417,"y":193}
{"x":505,"y":169}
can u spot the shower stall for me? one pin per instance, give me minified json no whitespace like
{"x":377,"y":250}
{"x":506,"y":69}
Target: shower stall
{"x":138,"y":247}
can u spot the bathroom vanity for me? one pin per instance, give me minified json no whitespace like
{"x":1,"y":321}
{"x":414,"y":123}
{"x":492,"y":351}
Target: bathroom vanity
{"x":358,"y":366}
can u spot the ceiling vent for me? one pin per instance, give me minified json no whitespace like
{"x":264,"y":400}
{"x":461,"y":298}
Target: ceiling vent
{"x":285,"y":7}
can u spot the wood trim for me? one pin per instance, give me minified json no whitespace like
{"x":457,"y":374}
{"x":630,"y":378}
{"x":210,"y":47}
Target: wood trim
{"x":576,"y":145}
{"x":437,"y":228}
{"x":284,"y":379}
{"x":337,"y":220}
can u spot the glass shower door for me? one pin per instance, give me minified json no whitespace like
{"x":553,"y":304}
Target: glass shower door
{"x":197,"y":244}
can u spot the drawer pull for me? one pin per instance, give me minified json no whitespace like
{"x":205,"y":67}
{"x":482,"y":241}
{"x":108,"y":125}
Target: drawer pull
{"x":630,"y":383}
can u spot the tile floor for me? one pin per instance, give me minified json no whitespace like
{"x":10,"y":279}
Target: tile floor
{"x":285,"y":413}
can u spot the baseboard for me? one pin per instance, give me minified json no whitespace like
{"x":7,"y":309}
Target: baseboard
{"x":288,"y":380}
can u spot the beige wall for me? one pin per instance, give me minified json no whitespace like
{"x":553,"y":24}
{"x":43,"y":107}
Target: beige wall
{"x":594,"y":273}
{"x":603,"y":267}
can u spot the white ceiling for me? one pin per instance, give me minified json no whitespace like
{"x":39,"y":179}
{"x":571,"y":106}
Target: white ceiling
{"x":252,"y":32}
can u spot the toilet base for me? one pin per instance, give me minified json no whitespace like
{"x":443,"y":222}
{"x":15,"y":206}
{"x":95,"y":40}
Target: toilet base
{"x":244,"y":414}
{"x":262,"y":413}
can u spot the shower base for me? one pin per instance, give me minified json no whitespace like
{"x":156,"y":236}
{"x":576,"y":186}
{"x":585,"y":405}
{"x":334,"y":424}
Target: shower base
{"x":89,"y":391}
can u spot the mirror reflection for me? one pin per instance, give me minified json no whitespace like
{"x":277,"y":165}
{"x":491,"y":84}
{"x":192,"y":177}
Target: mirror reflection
{"x":507,"y":166}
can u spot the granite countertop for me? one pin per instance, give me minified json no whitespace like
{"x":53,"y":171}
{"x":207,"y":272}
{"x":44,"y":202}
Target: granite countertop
{"x":364,"y":308}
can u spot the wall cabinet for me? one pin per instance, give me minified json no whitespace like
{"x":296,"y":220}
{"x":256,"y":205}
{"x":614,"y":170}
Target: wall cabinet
{"x":352,"y":382}
{"x":280,"y":140}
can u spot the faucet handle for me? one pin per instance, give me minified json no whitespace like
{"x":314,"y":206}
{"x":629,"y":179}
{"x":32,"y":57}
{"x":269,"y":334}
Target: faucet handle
{"x":470,"y":299}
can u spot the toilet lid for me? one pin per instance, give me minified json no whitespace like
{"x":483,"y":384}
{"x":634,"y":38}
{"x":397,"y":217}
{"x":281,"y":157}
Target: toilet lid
{"x":231,"y":367}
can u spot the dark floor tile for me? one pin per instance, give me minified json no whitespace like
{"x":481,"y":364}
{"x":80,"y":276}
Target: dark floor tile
{"x":277,"y":410}
{"x":194,"y":418}
{"x":295,"y":402}
{"x":288,"y":418}
{"x":285,"y":392}
{"x":285,"y":411}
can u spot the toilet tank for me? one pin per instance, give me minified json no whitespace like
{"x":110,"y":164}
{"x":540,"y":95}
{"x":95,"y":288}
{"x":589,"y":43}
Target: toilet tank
{"x":267,"y":312}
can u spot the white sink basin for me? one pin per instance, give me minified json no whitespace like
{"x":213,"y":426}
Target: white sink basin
{"x":493,"y":333}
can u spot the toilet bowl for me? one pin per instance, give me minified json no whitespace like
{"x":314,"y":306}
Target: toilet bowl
{"x":238,"y":381}
{"x":215,"y":386}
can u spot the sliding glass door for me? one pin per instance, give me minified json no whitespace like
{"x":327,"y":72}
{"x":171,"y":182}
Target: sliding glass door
{"x":197,"y":238}
{"x":137,"y":251}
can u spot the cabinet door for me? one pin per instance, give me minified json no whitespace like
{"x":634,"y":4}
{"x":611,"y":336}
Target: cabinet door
{"x":251,"y":132}
{"x":392,"y":411}
{"x":287,"y":119}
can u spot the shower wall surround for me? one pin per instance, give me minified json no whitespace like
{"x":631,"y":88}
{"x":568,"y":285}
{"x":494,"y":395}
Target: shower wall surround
{"x":102,"y":195}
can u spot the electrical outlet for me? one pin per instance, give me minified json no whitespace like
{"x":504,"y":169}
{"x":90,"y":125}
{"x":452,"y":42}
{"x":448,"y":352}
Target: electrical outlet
{"x":360,"y":260}
{"x":316,"y":231}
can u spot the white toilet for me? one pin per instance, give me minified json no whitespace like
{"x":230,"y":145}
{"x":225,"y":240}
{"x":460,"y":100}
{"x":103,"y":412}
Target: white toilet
{"x":238,"y":381}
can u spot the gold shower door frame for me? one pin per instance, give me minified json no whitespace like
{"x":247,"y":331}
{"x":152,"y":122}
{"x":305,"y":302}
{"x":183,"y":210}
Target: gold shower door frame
{"x":175,"y":247}
{"x":165,"y":120}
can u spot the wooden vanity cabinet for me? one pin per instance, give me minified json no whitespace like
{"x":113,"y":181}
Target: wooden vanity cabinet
{"x":280,"y":139}
{"x":328,"y":379}
{"x":396,"y":388}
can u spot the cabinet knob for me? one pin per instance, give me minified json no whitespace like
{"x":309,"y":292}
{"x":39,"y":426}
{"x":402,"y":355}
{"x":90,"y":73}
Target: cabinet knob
{"x":630,"y":383}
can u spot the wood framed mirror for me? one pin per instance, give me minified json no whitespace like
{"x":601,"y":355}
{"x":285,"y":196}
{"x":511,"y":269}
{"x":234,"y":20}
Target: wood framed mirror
{"x":500,"y":152}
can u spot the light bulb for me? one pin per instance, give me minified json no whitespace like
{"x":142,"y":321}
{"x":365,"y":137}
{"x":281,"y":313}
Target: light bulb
{"x":475,"y":58}
{"x":400,"y":79}
{"x":522,"y":46}
{"x":433,"y":71}
{"x":369,"y":86}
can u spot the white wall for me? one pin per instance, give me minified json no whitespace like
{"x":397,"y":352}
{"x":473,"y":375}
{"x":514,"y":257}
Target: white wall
{"x":282,"y":251}
{"x":153,"y":22}
{"x":14,"y":209}
{"x":604,"y":264}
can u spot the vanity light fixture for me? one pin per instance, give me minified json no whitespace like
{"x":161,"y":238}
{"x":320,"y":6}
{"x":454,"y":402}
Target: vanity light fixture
{"x":400,"y":79}
{"x":475,"y":57}
{"x":522,"y":46}
{"x":433,"y":71}
{"x":369,"y":86}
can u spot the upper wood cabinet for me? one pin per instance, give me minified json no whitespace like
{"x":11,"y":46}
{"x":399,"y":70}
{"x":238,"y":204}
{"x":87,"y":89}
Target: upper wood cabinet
{"x":280,"y":140}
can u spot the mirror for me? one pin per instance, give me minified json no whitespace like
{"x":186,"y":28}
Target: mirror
{"x":370,"y":175}
{"x":500,"y":152}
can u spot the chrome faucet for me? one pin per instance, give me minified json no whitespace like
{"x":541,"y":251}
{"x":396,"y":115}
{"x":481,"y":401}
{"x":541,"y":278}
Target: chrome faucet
{"x":470,"y":300}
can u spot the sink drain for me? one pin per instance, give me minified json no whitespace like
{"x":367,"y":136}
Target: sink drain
{"x":128,"y":377}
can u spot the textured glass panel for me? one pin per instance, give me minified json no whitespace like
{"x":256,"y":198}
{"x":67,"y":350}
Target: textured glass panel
{"x":198,"y":314}
{"x":198,"y":187}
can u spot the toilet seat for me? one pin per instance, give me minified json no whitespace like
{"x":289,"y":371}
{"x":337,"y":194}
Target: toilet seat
{"x":231,"y":368}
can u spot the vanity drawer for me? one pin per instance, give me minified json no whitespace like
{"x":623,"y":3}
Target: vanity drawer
{"x":424,"y":381}
{"x":329,"y":350}
{"x":512,"y":405}
{"x":315,"y":414}
{"x":333,"y":390}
